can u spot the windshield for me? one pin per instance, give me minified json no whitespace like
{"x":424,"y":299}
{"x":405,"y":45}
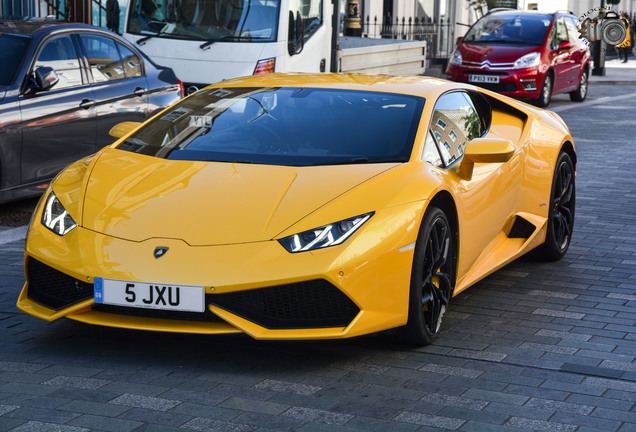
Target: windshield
{"x":510,"y":28}
{"x":284,"y":126}
{"x":11,"y":52}
{"x":206,"y":20}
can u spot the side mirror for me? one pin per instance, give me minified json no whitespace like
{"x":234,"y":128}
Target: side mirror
{"x":485,"y":150}
{"x":565,"y":45}
{"x":45,"y":77}
{"x":459,"y":40}
{"x":296,"y":33}
{"x":123,"y":128}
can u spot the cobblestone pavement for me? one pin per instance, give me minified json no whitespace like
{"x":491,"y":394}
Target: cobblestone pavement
{"x":545,"y":347}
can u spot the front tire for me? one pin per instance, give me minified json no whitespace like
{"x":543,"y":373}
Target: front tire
{"x":432,"y":278}
{"x":580,"y":93}
{"x":561,"y":215}
{"x":546,"y":92}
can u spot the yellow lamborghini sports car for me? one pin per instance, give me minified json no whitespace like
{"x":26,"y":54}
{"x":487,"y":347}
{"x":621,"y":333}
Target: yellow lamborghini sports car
{"x":302,"y":207}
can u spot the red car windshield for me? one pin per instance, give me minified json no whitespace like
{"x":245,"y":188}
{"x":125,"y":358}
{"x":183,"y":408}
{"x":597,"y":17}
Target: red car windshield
{"x":509,"y":28}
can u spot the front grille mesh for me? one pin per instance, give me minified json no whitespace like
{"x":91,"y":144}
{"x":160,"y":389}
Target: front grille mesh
{"x":54,"y":289}
{"x":309,"y":304}
{"x":507,"y":87}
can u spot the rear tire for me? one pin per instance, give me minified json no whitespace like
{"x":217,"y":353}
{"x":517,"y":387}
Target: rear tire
{"x":432,"y":278}
{"x":561,"y":215}
{"x":580,"y":93}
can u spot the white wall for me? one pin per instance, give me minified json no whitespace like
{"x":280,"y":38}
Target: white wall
{"x":546,"y":5}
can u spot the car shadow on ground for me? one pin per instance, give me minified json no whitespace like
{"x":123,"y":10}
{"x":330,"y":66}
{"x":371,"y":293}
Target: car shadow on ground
{"x":107,"y":348}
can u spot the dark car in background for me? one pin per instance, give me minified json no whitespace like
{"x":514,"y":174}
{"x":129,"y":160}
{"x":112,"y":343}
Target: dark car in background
{"x":62,"y":88}
{"x":527,"y":55}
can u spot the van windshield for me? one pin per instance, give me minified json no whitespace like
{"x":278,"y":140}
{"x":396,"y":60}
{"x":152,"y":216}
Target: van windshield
{"x":205,"y":20}
{"x":509,"y":28}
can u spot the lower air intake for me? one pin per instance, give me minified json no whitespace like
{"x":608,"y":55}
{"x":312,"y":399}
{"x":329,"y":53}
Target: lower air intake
{"x":310,"y":304}
{"x":54,"y":289}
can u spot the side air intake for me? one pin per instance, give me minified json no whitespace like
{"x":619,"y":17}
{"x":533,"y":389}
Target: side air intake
{"x":521,"y":228}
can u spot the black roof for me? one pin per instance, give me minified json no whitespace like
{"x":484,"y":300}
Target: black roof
{"x":31,"y":28}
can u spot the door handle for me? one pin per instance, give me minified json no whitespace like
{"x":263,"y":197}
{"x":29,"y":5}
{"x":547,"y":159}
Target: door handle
{"x":140,"y":91}
{"x":87,"y":103}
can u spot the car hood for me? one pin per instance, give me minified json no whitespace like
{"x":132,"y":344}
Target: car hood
{"x":138,"y":197}
{"x":494,"y":53}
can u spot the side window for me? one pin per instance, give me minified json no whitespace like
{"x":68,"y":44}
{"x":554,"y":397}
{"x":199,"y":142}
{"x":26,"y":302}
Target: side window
{"x":559,"y":33}
{"x":310,"y":13}
{"x":455,"y":122}
{"x":103,"y":58}
{"x":130,"y":60}
{"x":59,"y":53}
{"x":573,"y":32}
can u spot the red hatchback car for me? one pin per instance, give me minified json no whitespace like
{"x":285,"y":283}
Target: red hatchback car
{"x":524,"y":55}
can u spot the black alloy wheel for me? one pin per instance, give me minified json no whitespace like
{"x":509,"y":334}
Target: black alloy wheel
{"x":432,"y":278}
{"x":580,"y":93}
{"x":561,"y":215}
{"x":546,"y":92}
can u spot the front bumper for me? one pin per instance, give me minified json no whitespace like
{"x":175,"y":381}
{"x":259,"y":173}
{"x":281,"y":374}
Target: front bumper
{"x":521,"y":83}
{"x":259,"y":288}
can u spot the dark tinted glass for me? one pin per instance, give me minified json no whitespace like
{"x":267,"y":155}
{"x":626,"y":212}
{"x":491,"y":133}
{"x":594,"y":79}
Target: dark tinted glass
{"x":284,"y":126}
{"x":11,"y":52}
{"x":59,"y":53}
{"x":131,"y":63}
{"x":103,"y":58}
{"x":510,"y":28}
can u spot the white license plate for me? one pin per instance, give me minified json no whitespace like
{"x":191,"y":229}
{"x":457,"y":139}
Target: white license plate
{"x":187,"y":298}
{"x":483,"y":78}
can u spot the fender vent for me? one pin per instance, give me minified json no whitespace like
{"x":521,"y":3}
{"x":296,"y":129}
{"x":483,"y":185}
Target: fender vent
{"x":521,"y":228}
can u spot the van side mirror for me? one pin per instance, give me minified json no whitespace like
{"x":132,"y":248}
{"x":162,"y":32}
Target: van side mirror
{"x":296,"y":33}
{"x":123,"y":128}
{"x":484,"y":150}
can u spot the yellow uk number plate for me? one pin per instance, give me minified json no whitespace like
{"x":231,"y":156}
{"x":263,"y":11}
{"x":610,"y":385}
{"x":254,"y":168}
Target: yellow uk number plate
{"x":185,"y":298}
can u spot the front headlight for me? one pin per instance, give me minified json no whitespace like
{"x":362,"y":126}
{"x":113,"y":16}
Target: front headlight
{"x":456,"y":58}
{"x":55,"y":217}
{"x":528,"y":60}
{"x":325,"y":236}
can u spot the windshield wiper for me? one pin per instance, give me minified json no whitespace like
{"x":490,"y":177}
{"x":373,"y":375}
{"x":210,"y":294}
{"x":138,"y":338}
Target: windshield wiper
{"x":206,"y":45}
{"x":143,"y":40}
{"x":359,"y":160}
{"x":263,"y":111}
